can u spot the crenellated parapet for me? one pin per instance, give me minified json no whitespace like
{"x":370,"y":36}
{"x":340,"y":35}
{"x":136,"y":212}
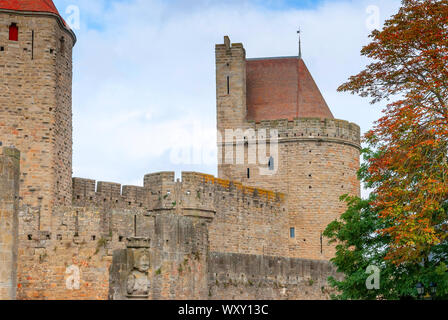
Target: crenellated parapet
{"x":194,"y":194}
{"x":309,"y":129}
{"x":198,"y":194}
{"x":87,"y":192}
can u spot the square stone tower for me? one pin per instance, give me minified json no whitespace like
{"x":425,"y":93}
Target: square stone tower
{"x":35,"y":101}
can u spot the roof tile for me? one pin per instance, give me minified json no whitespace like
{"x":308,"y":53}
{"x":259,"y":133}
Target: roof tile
{"x":283,"y":88}
{"x":29,"y":5}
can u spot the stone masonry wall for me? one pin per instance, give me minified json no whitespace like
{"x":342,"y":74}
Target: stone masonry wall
{"x":316,"y":162}
{"x":256,"y":277}
{"x":35,"y":108}
{"x":244,"y":219}
{"x":9,"y":195}
{"x":178,"y":254}
{"x":218,"y":214}
{"x":248,"y":220}
{"x":87,"y":238}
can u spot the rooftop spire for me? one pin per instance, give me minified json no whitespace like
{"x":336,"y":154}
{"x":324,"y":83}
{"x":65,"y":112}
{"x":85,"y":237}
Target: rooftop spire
{"x":299,"y":32}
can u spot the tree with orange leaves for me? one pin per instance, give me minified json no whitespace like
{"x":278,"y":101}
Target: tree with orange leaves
{"x":402,"y":228}
{"x":409,"y":173}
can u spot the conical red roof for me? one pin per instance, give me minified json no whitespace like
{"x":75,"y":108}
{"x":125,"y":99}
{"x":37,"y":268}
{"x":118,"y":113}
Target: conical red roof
{"x":29,"y":5}
{"x":282,"y":88}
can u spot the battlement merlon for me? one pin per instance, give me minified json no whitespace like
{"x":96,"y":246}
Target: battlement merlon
{"x":228,"y":49}
{"x":88,"y":192}
{"x":299,"y":129}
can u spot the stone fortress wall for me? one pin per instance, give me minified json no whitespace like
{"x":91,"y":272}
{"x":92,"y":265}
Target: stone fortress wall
{"x":205,"y":237}
{"x":242,"y":219}
{"x":189,"y":228}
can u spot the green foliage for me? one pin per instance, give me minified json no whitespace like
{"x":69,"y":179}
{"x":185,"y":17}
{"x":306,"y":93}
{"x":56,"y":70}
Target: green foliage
{"x":360,"y":245}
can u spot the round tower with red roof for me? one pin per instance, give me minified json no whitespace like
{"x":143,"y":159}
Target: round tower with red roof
{"x":311,"y":157}
{"x":36,"y":102}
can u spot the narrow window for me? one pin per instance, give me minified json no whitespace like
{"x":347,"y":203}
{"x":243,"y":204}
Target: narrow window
{"x":248,"y":173}
{"x":271,"y":164}
{"x":292,"y":233}
{"x":32,"y":45}
{"x":228,"y":85}
{"x":321,"y":244}
{"x":62,"y":45}
{"x":13,"y":32}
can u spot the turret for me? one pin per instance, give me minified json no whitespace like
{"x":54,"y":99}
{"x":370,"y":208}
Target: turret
{"x":313,"y":159}
{"x":36,"y":101}
{"x":230,"y":85}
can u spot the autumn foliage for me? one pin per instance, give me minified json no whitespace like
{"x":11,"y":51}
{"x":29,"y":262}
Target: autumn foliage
{"x":409,"y":173}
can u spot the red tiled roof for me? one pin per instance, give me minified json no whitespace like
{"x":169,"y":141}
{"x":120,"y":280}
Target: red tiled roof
{"x":29,"y":5}
{"x":283,"y":88}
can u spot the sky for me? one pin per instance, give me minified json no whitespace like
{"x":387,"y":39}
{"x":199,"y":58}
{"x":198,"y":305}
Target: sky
{"x":144,"y":73}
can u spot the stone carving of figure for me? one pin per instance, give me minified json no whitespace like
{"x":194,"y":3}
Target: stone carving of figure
{"x":138,"y":283}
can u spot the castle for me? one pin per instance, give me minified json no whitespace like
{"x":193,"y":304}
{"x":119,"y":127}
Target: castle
{"x":255,"y":232}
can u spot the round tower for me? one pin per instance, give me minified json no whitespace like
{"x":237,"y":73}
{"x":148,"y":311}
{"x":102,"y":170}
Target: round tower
{"x":35,"y":98}
{"x":309,"y":156}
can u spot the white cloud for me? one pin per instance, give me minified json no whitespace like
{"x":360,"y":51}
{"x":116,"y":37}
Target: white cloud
{"x":145,"y":72}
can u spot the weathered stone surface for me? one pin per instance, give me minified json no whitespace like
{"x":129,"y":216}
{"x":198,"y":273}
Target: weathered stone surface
{"x":255,"y":277}
{"x":9,"y":195}
{"x":36,"y":108}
